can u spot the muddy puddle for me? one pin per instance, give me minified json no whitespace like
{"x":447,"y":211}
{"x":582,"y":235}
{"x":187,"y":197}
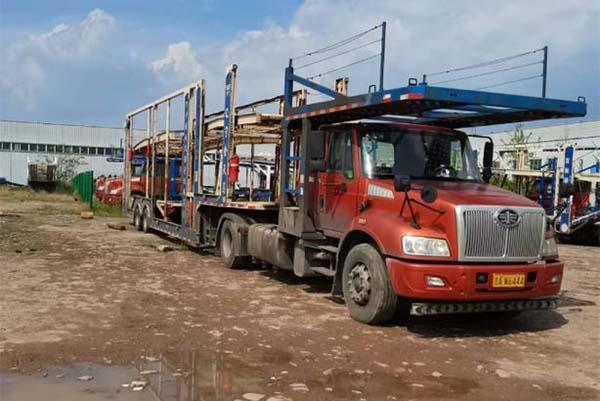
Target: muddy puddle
{"x":177,"y":376}
{"x":77,"y":382}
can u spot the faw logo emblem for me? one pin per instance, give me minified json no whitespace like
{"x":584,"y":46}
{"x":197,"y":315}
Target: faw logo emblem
{"x":507,"y":218}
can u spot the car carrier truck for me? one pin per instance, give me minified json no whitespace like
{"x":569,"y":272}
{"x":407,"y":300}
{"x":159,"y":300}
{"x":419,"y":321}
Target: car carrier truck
{"x":380,"y":192}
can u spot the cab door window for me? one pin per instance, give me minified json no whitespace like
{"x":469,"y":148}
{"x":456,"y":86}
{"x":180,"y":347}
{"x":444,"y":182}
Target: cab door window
{"x":339,"y":158}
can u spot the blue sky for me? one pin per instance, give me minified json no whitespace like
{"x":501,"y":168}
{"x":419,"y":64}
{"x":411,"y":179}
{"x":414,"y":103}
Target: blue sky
{"x":90,"y":62}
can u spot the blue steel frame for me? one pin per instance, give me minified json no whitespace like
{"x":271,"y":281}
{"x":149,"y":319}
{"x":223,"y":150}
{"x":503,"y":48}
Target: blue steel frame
{"x":417,"y":103}
{"x":551,"y":166}
{"x":565,"y":216}
{"x":424,"y":104}
{"x":227,"y":128}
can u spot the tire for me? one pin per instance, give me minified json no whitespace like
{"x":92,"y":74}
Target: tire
{"x":229,"y":244}
{"x":145,"y":219}
{"x":132,"y":222}
{"x":137,"y":218}
{"x":368,"y":291}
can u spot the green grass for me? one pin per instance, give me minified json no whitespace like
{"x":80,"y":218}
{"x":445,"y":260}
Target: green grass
{"x":25,"y":194}
{"x":59,"y":202}
{"x":106,"y":209}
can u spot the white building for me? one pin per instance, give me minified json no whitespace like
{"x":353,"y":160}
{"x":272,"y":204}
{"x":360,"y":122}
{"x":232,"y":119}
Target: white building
{"x":543,"y":143}
{"x":22,"y":141}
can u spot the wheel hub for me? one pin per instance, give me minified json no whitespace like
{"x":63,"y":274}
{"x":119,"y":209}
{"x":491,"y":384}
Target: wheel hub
{"x":359,"y":283}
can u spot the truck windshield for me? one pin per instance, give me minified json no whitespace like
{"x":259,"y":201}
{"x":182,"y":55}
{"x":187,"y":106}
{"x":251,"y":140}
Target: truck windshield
{"x":420,"y":154}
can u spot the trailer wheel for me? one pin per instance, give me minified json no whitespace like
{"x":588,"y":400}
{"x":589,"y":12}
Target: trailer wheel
{"x":229,"y":246}
{"x":137,"y":218}
{"x":368,"y":292}
{"x":145,"y":219}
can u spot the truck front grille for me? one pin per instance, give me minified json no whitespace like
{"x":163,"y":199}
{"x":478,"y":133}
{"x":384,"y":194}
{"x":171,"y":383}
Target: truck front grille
{"x":481,"y":237}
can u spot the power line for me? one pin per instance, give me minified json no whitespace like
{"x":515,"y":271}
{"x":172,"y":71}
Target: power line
{"x":485,"y":63}
{"x":338,"y":54}
{"x":341,"y":43}
{"x":511,"y":82}
{"x":483,"y":74}
{"x":344,"y":66}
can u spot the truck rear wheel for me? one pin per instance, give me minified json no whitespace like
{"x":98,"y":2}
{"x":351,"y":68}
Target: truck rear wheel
{"x":146,"y":220}
{"x":368,"y":292}
{"x":229,"y":244}
{"x":137,"y":217}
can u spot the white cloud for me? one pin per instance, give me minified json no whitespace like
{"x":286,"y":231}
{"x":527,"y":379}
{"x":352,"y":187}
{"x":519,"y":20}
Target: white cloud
{"x":179,"y":63}
{"x":25,"y":64}
{"x":422,"y":36}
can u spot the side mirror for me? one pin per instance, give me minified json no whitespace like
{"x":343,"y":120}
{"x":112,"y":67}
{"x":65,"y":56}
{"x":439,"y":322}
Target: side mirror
{"x":401,"y":182}
{"x":429,"y":194}
{"x":488,"y":160}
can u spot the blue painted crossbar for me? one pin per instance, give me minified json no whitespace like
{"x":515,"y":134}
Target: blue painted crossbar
{"x":447,"y":107}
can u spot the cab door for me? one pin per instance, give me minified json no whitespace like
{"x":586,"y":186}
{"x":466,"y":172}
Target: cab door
{"x":338,"y":184}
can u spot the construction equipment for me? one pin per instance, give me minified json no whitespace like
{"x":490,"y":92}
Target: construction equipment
{"x":42,"y":175}
{"x":571,"y":198}
{"x":378,"y":191}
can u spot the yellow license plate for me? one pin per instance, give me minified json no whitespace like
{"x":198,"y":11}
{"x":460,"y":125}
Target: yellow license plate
{"x":508,"y":280}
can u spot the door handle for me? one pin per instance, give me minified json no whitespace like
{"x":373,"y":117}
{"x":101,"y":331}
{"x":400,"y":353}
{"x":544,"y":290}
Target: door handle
{"x":343,"y":188}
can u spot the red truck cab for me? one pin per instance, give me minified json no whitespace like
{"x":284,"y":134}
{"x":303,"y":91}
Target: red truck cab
{"x":472,"y":242}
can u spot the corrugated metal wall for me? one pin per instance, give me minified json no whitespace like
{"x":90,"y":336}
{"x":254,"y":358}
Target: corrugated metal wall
{"x":13,"y":164}
{"x":59,"y":134}
{"x":581,"y":134}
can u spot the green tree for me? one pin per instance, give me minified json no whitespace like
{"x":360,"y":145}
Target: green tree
{"x":67,"y":166}
{"x":518,"y":136}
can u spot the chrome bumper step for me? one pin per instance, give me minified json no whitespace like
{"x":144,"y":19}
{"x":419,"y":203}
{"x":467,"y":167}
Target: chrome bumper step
{"x":443,"y":308}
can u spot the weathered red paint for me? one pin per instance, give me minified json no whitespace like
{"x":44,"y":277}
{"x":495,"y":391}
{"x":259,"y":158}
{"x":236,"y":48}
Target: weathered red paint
{"x":408,"y":280}
{"x":341,"y":212}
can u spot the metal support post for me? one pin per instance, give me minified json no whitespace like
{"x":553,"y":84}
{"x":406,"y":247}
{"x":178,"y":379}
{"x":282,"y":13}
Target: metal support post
{"x":166,"y":168}
{"x":153,"y":150}
{"x":148,"y":150}
{"x":565,"y":216}
{"x":382,"y":58}
{"x":251,"y":171}
{"x":545,"y":71}
{"x":127,"y":163}
{"x":228,"y":123}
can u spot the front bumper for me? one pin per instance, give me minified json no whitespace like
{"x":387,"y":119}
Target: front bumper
{"x":409,"y":280}
{"x":443,"y":308}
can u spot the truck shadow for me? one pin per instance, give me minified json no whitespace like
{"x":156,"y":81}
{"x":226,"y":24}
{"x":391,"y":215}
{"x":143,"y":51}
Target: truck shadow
{"x":311,"y":285}
{"x":452,"y":326}
{"x":495,"y":324}
{"x":483,"y":324}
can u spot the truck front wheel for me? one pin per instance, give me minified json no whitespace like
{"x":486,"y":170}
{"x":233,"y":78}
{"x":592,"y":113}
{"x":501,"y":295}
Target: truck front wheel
{"x":368,"y":292}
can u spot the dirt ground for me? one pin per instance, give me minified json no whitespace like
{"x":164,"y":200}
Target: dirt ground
{"x":77,"y":296}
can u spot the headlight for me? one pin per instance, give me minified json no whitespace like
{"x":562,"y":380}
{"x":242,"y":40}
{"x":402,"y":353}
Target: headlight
{"x":423,"y":246}
{"x":549,"y":249}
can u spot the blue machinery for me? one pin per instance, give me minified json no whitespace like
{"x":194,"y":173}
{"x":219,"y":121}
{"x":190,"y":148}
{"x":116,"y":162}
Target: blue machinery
{"x":557,"y":179}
